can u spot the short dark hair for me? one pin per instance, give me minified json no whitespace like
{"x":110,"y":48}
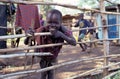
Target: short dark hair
{"x":81,"y":14}
{"x":55,"y":11}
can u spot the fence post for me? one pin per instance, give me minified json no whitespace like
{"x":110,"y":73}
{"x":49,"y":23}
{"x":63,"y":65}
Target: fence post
{"x":105,"y":36}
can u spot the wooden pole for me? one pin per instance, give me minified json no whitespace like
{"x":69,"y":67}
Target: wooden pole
{"x":58,"y":4}
{"x":91,"y":71}
{"x":22,"y":35}
{"x":48,"y":33}
{"x":54,"y":67}
{"x":110,"y":75}
{"x":49,"y":45}
{"x":12,"y":32}
{"x":105,"y":36}
{"x":30,"y":47}
{"x":25,"y":54}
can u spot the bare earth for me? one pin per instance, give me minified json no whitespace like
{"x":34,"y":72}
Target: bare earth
{"x":68,"y":53}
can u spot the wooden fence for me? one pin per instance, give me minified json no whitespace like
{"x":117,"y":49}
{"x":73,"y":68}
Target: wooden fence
{"x":105,"y":43}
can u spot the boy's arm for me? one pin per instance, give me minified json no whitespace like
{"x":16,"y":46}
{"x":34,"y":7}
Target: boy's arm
{"x":66,"y":35}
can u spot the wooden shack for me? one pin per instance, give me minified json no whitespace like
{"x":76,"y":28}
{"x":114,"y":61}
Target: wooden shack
{"x":113,"y":32}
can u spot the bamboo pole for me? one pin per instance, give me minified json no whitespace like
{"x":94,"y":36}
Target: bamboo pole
{"x":30,"y":47}
{"x":1,"y":27}
{"x":4,"y":0}
{"x":22,"y":35}
{"x":39,"y":46}
{"x":25,"y":54}
{"x":56,"y":66}
{"x":48,"y":33}
{"x":12,"y":33}
{"x":110,"y":75}
{"x":33,"y":54}
{"x":91,"y":71}
{"x":48,"y":68}
{"x":105,"y":36}
{"x":82,"y":74}
{"x":57,"y":4}
{"x":49,"y":45}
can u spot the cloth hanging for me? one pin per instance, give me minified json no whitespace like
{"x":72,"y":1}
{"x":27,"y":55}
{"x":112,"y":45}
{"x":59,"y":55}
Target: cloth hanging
{"x":3,"y":23}
{"x":27,"y":16}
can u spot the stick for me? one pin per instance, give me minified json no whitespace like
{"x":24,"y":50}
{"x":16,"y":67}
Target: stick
{"x":110,"y":75}
{"x":57,"y":4}
{"x":2,"y":27}
{"x":56,"y":66}
{"x":50,"y":45}
{"x":25,"y":54}
{"x":91,"y":71}
{"x":22,"y":35}
{"x":30,"y":47}
{"x":47,"y":33}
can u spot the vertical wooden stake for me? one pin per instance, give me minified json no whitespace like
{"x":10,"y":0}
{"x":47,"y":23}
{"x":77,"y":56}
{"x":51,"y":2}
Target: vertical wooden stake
{"x":105,"y":36}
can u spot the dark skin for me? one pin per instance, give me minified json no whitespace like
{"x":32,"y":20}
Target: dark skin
{"x":55,"y":21}
{"x":59,"y":34}
{"x":83,"y":45}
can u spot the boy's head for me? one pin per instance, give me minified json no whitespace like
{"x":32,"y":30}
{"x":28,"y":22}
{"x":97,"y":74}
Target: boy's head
{"x":81,"y":16}
{"x":54,"y":18}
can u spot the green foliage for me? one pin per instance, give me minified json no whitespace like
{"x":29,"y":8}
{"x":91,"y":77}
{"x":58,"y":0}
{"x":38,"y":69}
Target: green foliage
{"x":45,"y":8}
{"x":116,"y":76}
{"x":95,"y":3}
{"x":92,"y":3}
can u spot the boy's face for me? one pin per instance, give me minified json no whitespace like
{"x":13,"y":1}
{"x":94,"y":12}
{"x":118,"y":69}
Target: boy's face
{"x":81,"y":16}
{"x":54,"y":21}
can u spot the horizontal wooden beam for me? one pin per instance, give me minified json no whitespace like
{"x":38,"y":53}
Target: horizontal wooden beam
{"x":50,"y":45}
{"x":48,"y":33}
{"x":93,"y":70}
{"x":56,"y":4}
{"x":111,"y":74}
{"x":24,"y":54}
{"x":63,"y":64}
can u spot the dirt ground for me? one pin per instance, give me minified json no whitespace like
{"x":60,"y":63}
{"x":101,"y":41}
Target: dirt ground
{"x":68,"y":53}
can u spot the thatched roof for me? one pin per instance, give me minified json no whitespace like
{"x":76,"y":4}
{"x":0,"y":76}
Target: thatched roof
{"x":68,"y":17}
{"x":113,"y":8}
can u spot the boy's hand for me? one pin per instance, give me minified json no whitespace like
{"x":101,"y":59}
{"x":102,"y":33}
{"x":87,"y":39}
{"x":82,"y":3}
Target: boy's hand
{"x":55,"y":33}
{"x":30,"y":31}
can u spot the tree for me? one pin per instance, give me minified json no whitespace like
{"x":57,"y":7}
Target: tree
{"x":95,"y":3}
{"x":45,"y":8}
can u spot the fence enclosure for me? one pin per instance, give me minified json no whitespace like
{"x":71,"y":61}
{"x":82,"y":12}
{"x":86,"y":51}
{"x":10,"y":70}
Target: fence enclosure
{"x":105,"y":39}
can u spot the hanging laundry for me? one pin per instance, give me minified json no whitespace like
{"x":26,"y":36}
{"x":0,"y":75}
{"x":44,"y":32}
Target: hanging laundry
{"x":3,"y":23}
{"x":27,"y":16}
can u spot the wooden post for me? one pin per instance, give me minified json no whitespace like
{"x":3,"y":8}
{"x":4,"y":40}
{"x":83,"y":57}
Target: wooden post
{"x":12,"y":29}
{"x":105,"y":36}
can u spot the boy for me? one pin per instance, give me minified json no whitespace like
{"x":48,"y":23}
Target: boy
{"x":59,"y":34}
{"x":82,"y":23}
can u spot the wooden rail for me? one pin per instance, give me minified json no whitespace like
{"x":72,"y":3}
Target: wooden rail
{"x":62,"y":64}
{"x":105,"y":57}
{"x":25,"y":54}
{"x":56,"y":4}
{"x":48,"y":33}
